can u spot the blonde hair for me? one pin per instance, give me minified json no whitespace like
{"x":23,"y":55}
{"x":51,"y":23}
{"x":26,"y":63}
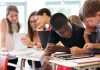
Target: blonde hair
{"x":76,"y":20}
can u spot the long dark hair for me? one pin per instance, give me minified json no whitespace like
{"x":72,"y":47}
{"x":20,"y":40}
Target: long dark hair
{"x":30,"y":30}
{"x":9,"y":9}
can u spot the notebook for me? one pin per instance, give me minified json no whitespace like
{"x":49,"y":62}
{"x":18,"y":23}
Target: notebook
{"x":18,"y":45}
{"x":44,"y":36}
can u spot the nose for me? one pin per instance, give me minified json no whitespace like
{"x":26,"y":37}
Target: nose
{"x":88,"y":24}
{"x":15,"y":18}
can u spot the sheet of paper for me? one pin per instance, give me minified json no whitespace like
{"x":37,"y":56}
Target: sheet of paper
{"x":17,"y":41}
{"x":87,"y":60}
{"x":37,"y":54}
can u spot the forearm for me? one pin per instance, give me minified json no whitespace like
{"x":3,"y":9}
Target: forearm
{"x":97,"y":45}
{"x":86,"y":40}
{"x":3,"y":39}
{"x":49,"y":48}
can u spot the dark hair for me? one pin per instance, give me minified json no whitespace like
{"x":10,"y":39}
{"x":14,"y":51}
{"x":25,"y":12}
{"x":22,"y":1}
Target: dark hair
{"x":30,"y":30}
{"x":8,"y":10}
{"x":90,"y":8}
{"x":44,"y":10}
{"x":58,"y":20}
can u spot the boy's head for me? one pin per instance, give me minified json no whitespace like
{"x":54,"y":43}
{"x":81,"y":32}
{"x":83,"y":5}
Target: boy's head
{"x":60,"y":24}
{"x":44,"y":11}
{"x":90,"y":13}
{"x":43,"y":17}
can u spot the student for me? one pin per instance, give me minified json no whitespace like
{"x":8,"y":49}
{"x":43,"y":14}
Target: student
{"x":9,"y":26}
{"x":76,"y":20}
{"x":43,"y":16}
{"x":32,"y":39}
{"x":91,"y":19}
{"x":65,"y":32}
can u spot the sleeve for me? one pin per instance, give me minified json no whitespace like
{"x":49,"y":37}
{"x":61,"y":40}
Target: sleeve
{"x":82,"y":41}
{"x":94,"y":51}
{"x":54,"y":37}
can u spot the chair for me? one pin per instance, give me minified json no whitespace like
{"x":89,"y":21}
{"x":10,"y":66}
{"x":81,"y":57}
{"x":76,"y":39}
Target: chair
{"x":3,"y":62}
{"x":60,"y":67}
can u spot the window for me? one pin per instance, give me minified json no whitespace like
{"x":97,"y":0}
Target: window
{"x":68,"y":7}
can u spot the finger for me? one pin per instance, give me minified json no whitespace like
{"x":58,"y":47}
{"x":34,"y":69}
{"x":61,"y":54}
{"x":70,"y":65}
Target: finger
{"x":85,"y":47}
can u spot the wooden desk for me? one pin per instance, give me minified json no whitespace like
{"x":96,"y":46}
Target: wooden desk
{"x":70,"y":63}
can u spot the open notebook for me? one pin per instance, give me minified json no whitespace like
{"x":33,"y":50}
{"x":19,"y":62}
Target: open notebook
{"x":18,"y":45}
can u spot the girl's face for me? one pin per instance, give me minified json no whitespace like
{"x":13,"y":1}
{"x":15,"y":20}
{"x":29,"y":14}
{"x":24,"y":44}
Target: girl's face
{"x":33,"y":22}
{"x":13,"y":16}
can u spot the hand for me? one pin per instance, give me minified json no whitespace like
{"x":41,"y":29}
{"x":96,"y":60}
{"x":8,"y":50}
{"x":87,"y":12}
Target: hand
{"x":26,"y":40}
{"x":47,"y":58}
{"x":89,"y":45}
{"x":50,"y":46}
{"x":39,"y":28}
{"x":38,"y":46}
{"x":76,"y":50}
{"x":46,"y":64}
{"x":86,"y":34}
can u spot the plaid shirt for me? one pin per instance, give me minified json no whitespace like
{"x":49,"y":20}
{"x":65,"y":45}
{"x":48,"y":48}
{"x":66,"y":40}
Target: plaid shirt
{"x":94,"y":37}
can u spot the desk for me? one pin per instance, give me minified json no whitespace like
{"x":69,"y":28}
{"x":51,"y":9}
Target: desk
{"x":29,"y":54}
{"x":70,"y":63}
{"x":36,"y":55}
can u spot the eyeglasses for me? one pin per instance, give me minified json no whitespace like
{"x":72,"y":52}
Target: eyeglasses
{"x":34,"y":21}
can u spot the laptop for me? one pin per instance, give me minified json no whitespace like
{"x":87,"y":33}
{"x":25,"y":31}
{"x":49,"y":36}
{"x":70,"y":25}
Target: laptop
{"x":44,"y":36}
{"x":18,"y":45}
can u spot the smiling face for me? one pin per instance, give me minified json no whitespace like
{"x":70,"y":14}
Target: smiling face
{"x":13,"y":16}
{"x":33,"y":22}
{"x":65,"y":31}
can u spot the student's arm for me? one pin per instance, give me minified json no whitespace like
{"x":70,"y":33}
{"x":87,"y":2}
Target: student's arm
{"x":3,"y":32}
{"x":53,"y":40}
{"x":49,"y":48}
{"x":78,"y":51}
{"x":92,"y":46}
{"x":26,"y":40}
{"x":86,"y":33}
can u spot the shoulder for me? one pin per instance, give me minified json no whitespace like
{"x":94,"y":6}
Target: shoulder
{"x":53,"y":32}
{"x":3,"y":22}
{"x":77,"y":28}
